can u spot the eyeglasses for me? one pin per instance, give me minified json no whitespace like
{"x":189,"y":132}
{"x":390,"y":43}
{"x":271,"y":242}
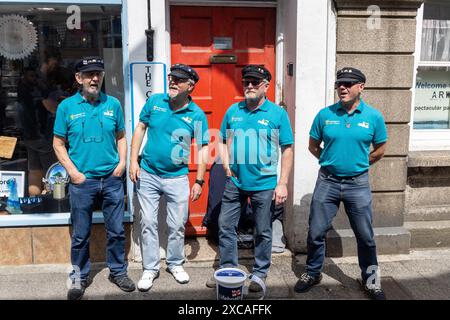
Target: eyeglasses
{"x":92,"y":74}
{"x":346,"y":84}
{"x":95,"y":139}
{"x":255,"y":83}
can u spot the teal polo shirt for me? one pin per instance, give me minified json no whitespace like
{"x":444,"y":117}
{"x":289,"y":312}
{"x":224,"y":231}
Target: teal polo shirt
{"x":254,"y":138}
{"x":170,"y":134}
{"x":91,"y":132}
{"x":347,"y":137}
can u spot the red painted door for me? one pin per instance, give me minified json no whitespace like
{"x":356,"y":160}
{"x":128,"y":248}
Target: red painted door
{"x":205,"y":38}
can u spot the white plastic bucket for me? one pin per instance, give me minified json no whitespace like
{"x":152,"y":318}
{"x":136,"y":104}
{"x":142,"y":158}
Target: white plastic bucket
{"x":230,"y":283}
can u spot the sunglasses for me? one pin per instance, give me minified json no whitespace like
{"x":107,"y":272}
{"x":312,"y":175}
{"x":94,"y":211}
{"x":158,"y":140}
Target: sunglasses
{"x":178,"y":80}
{"x":346,"y":84}
{"x":255,"y":83}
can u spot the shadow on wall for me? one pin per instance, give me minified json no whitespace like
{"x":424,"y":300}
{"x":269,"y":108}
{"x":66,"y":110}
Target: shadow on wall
{"x":300,"y":225}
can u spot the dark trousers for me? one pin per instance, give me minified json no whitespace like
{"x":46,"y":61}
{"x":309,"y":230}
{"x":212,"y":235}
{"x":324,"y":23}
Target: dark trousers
{"x":356,"y":195}
{"x":82,"y":198}
{"x":262,"y":205}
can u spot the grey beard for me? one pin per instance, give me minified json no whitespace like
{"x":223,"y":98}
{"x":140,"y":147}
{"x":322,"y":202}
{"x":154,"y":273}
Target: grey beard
{"x":178,"y":98}
{"x":252,"y":101}
{"x":92,"y":96}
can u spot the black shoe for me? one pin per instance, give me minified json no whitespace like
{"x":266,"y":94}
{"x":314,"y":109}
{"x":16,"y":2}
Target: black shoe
{"x":76,"y":290}
{"x":123,"y":282}
{"x":254,"y":287}
{"x":306,"y":282}
{"x":375,"y":293}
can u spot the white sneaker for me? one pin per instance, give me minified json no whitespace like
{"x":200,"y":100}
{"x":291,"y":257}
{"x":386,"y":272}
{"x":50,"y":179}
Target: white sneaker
{"x":146,"y":281}
{"x":179,"y":274}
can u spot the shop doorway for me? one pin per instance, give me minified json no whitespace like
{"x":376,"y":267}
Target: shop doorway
{"x":218,"y":42}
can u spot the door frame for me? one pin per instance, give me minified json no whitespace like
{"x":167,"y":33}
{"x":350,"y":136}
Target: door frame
{"x":279,"y":43}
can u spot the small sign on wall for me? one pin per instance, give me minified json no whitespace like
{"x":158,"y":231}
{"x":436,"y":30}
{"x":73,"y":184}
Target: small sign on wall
{"x":146,"y":78}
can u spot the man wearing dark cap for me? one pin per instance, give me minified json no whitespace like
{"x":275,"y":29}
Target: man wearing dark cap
{"x":92,"y":124}
{"x":251,"y":133}
{"x":172,"y":120}
{"x":347,"y":130}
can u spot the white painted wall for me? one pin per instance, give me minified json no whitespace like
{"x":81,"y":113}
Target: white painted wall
{"x":310,"y":37}
{"x":135,"y":50}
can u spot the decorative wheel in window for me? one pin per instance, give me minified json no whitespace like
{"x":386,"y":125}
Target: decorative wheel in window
{"x":18,"y":37}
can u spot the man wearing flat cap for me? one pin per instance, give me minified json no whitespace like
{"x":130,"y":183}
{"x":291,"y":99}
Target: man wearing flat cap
{"x":347,"y":130}
{"x":171,"y":121}
{"x":251,"y":133}
{"x":92,"y":124}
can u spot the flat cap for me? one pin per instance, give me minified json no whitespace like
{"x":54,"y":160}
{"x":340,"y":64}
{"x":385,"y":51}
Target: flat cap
{"x":184,"y":71}
{"x":90,"y":64}
{"x":256,"y":71}
{"x":350,"y":74}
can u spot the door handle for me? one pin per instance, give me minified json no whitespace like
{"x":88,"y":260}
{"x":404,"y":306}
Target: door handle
{"x":223,"y":58}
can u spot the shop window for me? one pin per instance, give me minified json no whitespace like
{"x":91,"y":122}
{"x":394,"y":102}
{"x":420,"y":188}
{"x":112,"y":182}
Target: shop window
{"x":432,"y":90}
{"x":38,"y":50}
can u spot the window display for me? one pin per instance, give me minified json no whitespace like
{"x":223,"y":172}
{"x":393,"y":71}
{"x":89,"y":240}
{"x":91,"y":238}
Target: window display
{"x":432,"y":88}
{"x":38,"y":51}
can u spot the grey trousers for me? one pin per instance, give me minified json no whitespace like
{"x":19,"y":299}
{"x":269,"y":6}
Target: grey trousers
{"x":150,"y":188}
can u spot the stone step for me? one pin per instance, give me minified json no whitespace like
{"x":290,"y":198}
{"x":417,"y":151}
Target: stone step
{"x":203,"y":253}
{"x":429,"y":234}
{"x":389,"y":240}
{"x":428,"y":213}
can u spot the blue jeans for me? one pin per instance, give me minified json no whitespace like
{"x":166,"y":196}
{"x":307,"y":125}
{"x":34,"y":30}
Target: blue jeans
{"x":356,"y":195}
{"x":262,"y":204}
{"x":81,"y":203}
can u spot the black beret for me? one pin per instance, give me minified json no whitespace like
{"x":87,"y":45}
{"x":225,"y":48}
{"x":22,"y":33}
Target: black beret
{"x":256,"y":71}
{"x":184,"y":71}
{"x":90,"y":64}
{"x":350,"y":74}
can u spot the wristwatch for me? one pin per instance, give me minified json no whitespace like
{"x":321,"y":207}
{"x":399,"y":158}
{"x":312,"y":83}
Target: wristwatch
{"x":200,"y":182}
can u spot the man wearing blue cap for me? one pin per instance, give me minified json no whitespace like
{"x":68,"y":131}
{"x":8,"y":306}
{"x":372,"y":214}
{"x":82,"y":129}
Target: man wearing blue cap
{"x":252,"y":132}
{"x":172,"y":120}
{"x":92,"y":124}
{"x":347,"y":130}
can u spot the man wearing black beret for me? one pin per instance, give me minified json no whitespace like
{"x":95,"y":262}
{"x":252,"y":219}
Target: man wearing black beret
{"x":251,"y":133}
{"x":347,"y":130}
{"x":93,"y":125}
{"x":172,"y":120}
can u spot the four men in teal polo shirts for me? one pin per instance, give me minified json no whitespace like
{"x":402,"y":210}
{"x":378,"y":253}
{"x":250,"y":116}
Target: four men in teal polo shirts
{"x":252,"y":134}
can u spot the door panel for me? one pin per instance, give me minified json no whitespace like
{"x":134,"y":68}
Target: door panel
{"x":195,"y":38}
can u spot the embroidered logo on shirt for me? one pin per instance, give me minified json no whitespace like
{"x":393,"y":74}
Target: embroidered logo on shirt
{"x":364,"y":124}
{"x":159,"y":109}
{"x":234,"y":119}
{"x":327,"y":122}
{"x":76,"y":116}
{"x":109,"y":113}
{"x":187,"y":119}
{"x":264,"y":122}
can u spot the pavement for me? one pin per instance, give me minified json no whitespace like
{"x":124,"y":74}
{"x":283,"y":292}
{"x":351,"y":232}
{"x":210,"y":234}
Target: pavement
{"x":421,"y":275}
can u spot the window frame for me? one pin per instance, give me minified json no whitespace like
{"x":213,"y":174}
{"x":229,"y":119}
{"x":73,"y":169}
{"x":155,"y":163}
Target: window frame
{"x":425,"y":139}
{"x":63,"y":218}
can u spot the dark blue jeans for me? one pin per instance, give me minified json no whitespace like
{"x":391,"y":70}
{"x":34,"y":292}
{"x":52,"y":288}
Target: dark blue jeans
{"x":232,"y":201}
{"x":81,"y":203}
{"x":356,"y":195}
